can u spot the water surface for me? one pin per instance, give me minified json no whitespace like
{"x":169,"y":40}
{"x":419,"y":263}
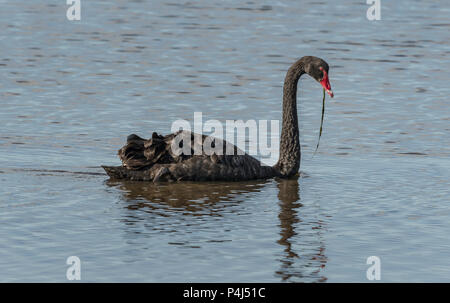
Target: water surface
{"x":72,"y":91}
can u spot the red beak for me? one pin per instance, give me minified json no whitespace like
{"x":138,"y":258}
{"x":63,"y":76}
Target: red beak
{"x":326,"y":83}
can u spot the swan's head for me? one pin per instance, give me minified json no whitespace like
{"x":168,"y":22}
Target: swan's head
{"x":318,"y":69}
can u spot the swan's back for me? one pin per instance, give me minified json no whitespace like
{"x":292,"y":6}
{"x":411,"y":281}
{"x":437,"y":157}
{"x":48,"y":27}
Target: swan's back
{"x":155,"y":159}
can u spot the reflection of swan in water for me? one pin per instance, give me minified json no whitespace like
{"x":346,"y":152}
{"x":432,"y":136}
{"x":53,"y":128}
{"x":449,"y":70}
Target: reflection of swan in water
{"x":303,"y":251}
{"x":196,"y":198}
{"x":290,"y":206}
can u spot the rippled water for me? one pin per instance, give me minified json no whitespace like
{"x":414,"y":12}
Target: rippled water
{"x":72,"y":91}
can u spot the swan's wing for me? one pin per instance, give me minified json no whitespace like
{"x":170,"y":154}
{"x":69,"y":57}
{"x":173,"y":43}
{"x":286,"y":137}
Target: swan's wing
{"x":139,"y":153}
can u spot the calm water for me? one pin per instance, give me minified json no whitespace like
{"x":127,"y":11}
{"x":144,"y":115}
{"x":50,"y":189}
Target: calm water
{"x":71,"y":92}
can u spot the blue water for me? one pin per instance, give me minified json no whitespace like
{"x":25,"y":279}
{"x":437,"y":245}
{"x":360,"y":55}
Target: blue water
{"x":71,"y":92}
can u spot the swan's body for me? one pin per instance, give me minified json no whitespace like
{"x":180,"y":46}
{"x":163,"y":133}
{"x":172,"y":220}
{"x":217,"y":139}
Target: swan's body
{"x":155,"y":160}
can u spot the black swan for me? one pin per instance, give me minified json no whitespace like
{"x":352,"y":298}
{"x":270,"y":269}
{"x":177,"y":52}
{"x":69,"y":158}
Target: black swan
{"x":154,"y":159}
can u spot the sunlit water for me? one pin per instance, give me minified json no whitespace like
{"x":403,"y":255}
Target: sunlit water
{"x":71,"y":92}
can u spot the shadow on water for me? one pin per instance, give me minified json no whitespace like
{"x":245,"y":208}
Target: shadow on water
{"x":216,"y":199}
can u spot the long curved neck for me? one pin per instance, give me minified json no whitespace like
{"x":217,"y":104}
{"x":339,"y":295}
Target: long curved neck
{"x":289,"y":161}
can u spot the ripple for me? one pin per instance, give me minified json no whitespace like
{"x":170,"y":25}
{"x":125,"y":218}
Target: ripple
{"x":412,"y":153}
